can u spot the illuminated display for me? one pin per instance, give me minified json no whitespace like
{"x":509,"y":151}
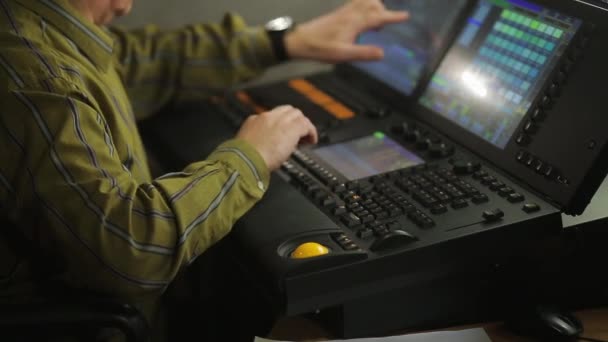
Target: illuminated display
{"x":498,"y":66}
{"x":368,"y":156}
{"x":410,"y":46}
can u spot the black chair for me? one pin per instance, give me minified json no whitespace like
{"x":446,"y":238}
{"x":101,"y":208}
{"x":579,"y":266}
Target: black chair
{"x":72,"y":315}
{"x":84,"y":319}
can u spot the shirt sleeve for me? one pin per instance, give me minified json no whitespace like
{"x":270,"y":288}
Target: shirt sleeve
{"x":116,"y":234}
{"x":190,"y":63}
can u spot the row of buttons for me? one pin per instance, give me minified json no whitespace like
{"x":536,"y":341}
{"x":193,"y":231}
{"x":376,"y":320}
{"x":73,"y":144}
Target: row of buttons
{"x":497,"y":214}
{"x":436,"y":189}
{"x":423,"y":140}
{"x":366,"y":203}
{"x":323,"y":174}
{"x":537,"y":165}
{"x":532,"y":125}
{"x":345,"y":242}
{"x":499,"y":187}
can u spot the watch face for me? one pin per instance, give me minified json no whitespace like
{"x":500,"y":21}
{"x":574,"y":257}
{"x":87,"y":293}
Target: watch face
{"x":279,"y":24}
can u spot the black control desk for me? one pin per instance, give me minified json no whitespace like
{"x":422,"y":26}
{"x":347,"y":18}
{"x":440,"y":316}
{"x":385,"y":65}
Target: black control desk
{"x":436,"y":166}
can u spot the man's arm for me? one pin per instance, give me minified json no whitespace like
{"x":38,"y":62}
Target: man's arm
{"x":190,"y":63}
{"x":117,"y":234}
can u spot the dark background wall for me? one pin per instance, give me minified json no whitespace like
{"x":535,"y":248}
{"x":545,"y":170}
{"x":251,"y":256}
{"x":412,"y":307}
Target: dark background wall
{"x":173,"y":13}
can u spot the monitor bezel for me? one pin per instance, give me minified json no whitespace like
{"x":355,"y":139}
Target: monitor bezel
{"x":504,"y":158}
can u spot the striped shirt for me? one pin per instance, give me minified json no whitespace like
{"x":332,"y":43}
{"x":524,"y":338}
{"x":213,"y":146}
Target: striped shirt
{"x":73,"y":172}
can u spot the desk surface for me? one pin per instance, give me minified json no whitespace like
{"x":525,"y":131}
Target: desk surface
{"x":301,"y":329}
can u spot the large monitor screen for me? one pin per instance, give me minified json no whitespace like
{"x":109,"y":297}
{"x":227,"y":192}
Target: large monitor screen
{"x":499,"y":66}
{"x":409,"y":47}
{"x":368,"y":156}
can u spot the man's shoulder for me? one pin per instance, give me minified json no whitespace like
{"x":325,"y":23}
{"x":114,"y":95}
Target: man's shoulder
{"x":36,"y":67}
{"x":30,"y":53}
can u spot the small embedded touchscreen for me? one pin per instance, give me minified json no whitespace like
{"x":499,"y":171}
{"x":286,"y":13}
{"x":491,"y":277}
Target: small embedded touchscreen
{"x":367,"y":156}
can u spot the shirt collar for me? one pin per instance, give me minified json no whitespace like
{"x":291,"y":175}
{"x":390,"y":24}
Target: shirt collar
{"x":92,"y":40}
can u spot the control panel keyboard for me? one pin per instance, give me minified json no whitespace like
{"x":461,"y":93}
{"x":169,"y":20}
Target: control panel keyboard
{"x":394,"y":209}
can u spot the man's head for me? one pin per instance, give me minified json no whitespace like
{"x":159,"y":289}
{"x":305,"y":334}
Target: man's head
{"x":101,"y":12}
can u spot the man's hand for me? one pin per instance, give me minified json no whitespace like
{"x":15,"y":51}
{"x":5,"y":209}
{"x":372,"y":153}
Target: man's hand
{"x":276,"y":134}
{"x":331,"y":38}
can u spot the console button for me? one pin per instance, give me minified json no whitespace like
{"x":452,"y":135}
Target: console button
{"x":554,"y":90}
{"x":530,"y":127}
{"x":540,"y":167}
{"x":549,"y":172}
{"x":365,"y":233}
{"x":531,"y":208}
{"x":367,"y":218}
{"x":530,"y":162}
{"x":350,"y":246}
{"x":464,"y":167}
{"x":493,"y":215}
{"x":341,"y":210}
{"x":459,"y":204}
{"x":538,"y":115}
{"x":440,"y":150}
{"x":351,"y":220}
{"x":495,"y":186}
{"x":340,"y":188}
{"x":523,"y":139}
{"x":480,"y":174}
{"x":561,"y":78}
{"x":487,"y":180}
{"x":516,"y":198}
{"x":439,"y":209}
{"x":546,"y":102}
{"x":505,"y":191}
{"x":480,"y":198}
{"x":329,"y":202}
{"x":311,"y":188}
{"x":521,"y":156}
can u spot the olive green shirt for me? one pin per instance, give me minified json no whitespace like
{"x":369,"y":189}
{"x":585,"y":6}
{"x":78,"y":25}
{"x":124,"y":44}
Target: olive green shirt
{"x":73,"y":171}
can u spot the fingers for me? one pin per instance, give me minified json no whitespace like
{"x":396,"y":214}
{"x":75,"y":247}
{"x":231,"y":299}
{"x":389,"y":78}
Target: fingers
{"x":282,"y":109}
{"x":298,"y":122}
{"x":393,"y":17}
{"x":358,"y":53}
{"x":385,"y":17}
{"x":309,"y":133}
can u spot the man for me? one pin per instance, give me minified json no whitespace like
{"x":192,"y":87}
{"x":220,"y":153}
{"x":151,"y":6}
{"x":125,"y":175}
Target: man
{"x":74,"y":180}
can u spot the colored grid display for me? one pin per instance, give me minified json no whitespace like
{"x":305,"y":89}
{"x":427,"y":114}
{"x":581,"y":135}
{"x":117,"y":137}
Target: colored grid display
{"x":489,"y":80}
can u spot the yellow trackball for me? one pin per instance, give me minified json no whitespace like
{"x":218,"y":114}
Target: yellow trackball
{"x":309,"y":250}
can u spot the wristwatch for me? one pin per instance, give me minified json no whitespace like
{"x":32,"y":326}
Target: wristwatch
{"x":277,"y":28}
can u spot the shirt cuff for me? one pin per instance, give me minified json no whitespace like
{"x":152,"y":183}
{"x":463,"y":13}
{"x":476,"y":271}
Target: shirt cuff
{"x":265,"y":53}
{"x":246,"y":159}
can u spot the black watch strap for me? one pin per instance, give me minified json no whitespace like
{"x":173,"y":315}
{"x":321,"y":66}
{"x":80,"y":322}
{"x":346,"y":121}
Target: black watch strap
{"x":277,"y":39}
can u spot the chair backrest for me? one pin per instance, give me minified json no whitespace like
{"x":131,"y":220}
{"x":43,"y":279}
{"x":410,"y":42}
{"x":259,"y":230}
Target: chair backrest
{"x":86,"y":318}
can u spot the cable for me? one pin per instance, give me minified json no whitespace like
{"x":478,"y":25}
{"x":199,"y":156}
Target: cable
{"x":590,"y":339}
